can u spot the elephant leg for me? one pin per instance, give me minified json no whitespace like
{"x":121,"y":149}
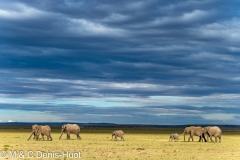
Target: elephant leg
{"x":191,"y":137}
{"x":211,"y":138}
{"x":203,"y":136}
{"x":43,"y":137}
{"x":36,"y":138}
{"x":208,"y":137}
{"x":78,"y":136}
{"x":50,"y":137}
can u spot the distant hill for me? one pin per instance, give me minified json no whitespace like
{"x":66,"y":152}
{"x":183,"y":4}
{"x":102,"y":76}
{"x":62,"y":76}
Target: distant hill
{"x":83,"y":125}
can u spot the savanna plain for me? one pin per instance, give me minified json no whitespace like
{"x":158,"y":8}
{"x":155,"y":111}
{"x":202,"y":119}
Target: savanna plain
{"x":139,"y":144}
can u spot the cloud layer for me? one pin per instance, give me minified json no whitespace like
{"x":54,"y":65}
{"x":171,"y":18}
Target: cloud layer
{"x":151,"y":62}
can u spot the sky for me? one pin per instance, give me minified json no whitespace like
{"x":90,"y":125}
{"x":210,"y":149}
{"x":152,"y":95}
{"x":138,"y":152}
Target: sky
{"x":126,"y":62}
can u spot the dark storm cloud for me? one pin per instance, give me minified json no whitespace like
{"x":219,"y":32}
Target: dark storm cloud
{"x":136,"y":49}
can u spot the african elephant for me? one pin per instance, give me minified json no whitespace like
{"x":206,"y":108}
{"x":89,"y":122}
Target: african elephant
{"x":43,"y":130}
{"x":214,"y":131}
{"x":118,"y":133}
{"x":194,"y":131}
{"x":70,"y":128}
{"x":174,"y":137}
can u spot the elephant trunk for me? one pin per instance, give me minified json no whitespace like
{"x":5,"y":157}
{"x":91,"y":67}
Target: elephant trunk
{"x":61,"y":135}
{"x":30,"y":136}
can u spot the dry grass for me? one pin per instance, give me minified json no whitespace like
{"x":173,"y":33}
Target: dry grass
{"x":140,"y":144}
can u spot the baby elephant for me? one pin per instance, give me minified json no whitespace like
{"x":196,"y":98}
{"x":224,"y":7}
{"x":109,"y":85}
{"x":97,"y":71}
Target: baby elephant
{"x":173,"y":136}
{"x":118,"y":133}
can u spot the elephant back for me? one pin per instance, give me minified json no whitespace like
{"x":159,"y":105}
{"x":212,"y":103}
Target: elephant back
{"x":215,"y":130}
{"x":47,"y":127}
{"x":119,"y":132}
{"x":74,"y":128}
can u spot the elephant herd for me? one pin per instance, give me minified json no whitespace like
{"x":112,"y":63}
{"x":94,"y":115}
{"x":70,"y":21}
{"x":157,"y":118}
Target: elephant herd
{"x":38,"y":130}
{"x":210,"y":131}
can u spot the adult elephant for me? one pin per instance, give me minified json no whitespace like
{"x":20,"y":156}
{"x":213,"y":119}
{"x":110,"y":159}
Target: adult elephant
{"x":194,"y":131}
{"x":70,"y":128}
{"x":41,"y":130}
{"x":214,"y":131}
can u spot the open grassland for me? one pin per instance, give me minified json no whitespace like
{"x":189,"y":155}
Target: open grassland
{"x":141,"y":143}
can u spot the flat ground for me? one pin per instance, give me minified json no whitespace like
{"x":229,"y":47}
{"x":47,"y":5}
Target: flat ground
{"x":140,"y":143}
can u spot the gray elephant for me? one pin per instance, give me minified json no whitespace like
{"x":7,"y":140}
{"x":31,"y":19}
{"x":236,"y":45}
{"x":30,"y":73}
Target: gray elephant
{"x":174,"y":137}
{"x":43,"y":130}
{"x":214,"y":131}
{"x":194,"y":131}
{"x":71,"y":128}
{"x":118,"y":133}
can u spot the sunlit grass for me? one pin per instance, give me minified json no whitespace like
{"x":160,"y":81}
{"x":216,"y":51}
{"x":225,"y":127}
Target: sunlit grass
{"x":139,"y":144}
